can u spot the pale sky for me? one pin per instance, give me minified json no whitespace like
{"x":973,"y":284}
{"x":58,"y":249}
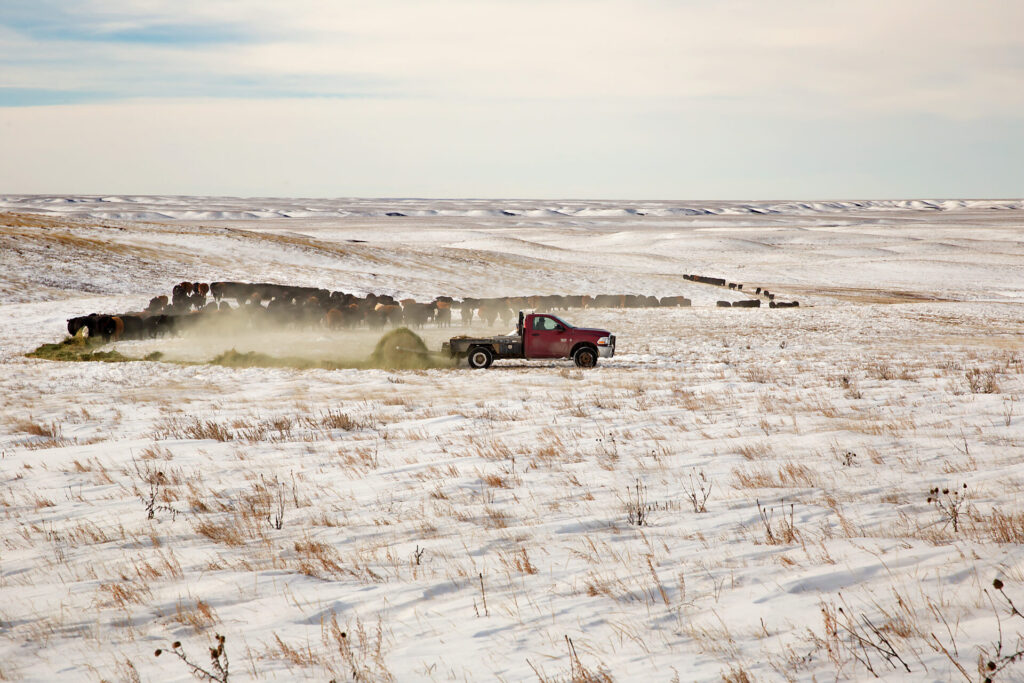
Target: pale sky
{"x":638,"y":99}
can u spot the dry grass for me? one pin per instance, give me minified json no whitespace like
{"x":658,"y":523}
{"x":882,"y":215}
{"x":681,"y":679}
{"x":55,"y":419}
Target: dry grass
{"x":759,"y":374}
{"x":156,"y":452}
{"x":297,"y":655}
{"x":338,"y":420}
{"x":982,"y":381}
{"x":736,"y":674}
{"x":788,"y":475}
{"x":225,"y":532}
{"x":175,"y":427}
{"x":318,"y":559}
{"x":124,"y":593}
{"x":758,"y":450}
{"x":496,"y":518}
{"x":999,"y":527}
{"x":495,"y":480}
{"x":362,"y":653}
{"x":33,"y":427}
{"x":197,"y":615}
{"x":518,"y":561}
{"x":884,"y":370}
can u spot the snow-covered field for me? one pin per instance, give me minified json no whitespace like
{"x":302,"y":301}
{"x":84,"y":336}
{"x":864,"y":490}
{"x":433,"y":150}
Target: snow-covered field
{"x":533,"y":521}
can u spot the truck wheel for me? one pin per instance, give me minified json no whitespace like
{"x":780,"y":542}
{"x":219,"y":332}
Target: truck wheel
{"x":585,"y":357}
{"x":480,"y":357}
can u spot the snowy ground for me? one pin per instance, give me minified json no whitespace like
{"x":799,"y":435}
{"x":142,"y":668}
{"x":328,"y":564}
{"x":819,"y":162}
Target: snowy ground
{"x":483,"y":525}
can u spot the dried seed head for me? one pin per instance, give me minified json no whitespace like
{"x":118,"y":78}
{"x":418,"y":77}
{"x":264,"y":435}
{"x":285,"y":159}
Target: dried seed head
{"x":176,"y":644}
{"x":157,"y":653}
{"x":997,"y":584}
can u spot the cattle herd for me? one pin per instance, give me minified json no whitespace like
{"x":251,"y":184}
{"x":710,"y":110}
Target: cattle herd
{"x":744,"y":303}
{"x":255,"y":305}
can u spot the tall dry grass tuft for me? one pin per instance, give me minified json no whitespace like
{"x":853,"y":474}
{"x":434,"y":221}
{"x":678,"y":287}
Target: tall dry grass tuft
{"x":174,"y":427}
{"x":197,"y":615}
{"x":982,"y":381}
{"x":999,"y":527}
{"x":319,"y":560}
{"x":363,"y":653}
{"x":32,"y":427}
{"x":788,"y":475}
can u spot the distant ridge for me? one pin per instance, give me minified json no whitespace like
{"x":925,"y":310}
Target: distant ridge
{"x":159,"y":208}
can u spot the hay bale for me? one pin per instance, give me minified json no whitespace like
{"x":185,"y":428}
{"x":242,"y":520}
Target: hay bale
{"x":402,"y":349}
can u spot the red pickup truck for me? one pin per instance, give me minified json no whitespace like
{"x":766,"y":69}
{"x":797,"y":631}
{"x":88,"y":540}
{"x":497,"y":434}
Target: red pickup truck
{"x":538,"y":335}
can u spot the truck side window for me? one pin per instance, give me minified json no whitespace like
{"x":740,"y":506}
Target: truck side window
{"x":542,"y":323}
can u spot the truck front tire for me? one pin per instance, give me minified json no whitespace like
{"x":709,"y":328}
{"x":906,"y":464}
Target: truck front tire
{"x":480,"y":358}
{"x":585,"y":357}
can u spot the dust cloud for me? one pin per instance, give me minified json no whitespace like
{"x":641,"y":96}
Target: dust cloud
{"x":239,"y":342}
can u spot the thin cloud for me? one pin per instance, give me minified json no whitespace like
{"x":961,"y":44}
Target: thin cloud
{"x":938,"y":57}
{"x":32,"y":97}
{"x":50,"y":21}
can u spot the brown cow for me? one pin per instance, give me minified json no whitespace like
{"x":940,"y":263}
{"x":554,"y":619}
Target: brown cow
{"x":417,"y":314}
{"x":385,"y":314}
{"x":157,"y":304}
{"x":334,"y":319}
{"x":443,"y":316}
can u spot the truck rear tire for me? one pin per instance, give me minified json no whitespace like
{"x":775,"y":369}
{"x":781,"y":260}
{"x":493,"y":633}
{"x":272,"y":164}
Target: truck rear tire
{"x":585,"y":357}
{"x":480,"y":358}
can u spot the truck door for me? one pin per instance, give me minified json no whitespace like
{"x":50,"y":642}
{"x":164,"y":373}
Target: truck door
{"x":545,"y":338}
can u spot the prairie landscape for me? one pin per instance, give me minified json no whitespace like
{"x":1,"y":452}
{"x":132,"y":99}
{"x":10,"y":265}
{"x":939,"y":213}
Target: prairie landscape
{"x":829,"y":492}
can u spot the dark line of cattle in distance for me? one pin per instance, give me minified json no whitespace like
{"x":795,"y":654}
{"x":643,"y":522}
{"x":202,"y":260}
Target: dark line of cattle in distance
{"x":189,"y":307}
{"x":746,"y":303}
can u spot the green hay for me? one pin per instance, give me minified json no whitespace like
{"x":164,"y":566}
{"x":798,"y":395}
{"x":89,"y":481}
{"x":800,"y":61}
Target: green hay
{"x":399,"y":349}
{"x":77,"y":349}
{"x":252,"y":359}
{"x":402,"y":349}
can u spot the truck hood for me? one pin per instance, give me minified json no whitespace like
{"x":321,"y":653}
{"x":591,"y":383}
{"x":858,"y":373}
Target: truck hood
{"x":591,"y":330}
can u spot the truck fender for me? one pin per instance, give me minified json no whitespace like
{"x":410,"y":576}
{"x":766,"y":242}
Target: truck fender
{"x":581,"y":345}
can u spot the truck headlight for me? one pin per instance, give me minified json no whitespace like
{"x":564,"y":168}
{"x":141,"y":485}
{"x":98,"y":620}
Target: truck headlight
{"x":604,"y":341}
